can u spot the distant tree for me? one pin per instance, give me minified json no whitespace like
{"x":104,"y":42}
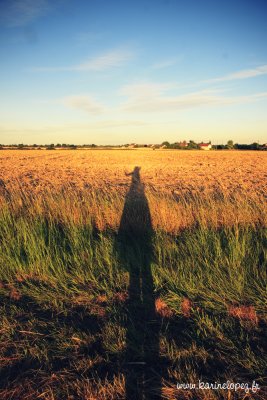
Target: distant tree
{"x":192,"y":145}
{"x":230,"y":144}
{"x":255,"y":146}
{"x":21,"y":146}
{"x":175,"y":146}
{"x":167,"y":144}
{"x":93,"y":145}
{"x":50,"y":147}
{"x":58,"y":145}
{"x":243,"y":146}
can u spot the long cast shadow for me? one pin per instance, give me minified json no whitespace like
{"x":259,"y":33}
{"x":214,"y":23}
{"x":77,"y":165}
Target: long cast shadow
{"x":135,"y":253}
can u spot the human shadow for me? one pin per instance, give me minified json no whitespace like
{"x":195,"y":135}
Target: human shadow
{"x":135,"y":253}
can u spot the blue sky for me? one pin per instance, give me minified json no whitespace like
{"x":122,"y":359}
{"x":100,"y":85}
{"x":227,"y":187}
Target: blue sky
{"x":109,"y":71}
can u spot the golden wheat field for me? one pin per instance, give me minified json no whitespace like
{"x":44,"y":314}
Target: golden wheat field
{"x":181,"y":186}
{"x":165,"y":170}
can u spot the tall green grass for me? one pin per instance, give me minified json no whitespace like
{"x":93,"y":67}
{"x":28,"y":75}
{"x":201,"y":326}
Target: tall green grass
{"x":64,"y":301}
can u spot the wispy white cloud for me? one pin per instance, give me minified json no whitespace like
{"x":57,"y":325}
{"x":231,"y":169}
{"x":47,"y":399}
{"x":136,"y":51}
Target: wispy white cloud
{"x":164,"y":64}
{"x":15,"y":13}
{"x":168,"y":62}
{"x":144,"y":89}
{"x":118,"y":123}
{"x":242,"y":74}
{"x":110,"y":59}
{"x":84,"y":103}
{"x":114,"y":58}
{"x":153,"y":98}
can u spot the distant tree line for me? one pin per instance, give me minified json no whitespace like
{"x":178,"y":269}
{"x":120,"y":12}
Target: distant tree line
{"x":50,"y":146}
{"x":181,"y":145}
{"x":230,"y":145}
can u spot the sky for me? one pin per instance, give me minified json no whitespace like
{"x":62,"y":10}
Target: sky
{"x":133,"y":71}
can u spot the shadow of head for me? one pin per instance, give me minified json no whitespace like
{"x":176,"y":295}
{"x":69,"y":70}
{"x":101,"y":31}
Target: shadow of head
{"x":135,"y":174}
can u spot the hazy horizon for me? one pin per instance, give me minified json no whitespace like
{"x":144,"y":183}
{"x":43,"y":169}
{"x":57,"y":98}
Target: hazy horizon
{"x":115,"y":72}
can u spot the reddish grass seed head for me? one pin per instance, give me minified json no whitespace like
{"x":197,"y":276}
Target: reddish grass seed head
{"x":186,"y":307}
{"x":163,"y":309}
{"x":243,"y":313}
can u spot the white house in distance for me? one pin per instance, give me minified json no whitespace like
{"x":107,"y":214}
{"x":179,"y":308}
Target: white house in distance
{"x":205,"y":146}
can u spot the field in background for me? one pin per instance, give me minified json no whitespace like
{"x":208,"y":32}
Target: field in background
{"x":165,"y":170}
{"x":92,"y":246}
{"x":182,"y":186}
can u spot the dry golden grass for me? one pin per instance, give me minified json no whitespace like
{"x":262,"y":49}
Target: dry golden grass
{"x":164,"y":170}
{"x":182,"y":187}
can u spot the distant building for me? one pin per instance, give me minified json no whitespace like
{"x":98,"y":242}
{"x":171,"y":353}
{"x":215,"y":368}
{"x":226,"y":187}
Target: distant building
{"x":205,"y":146}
